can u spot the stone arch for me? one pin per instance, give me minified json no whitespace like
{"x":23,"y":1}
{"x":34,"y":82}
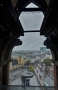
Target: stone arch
{"x":4,"y":49}
{"x":7,"y":48}
{"x":6,"y":56}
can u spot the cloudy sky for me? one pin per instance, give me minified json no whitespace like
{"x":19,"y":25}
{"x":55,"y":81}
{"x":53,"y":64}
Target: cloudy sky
{"x":31,"y":21}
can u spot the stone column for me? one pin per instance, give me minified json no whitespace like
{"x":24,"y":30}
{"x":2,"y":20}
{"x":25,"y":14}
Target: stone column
{"x":55,"y":75}
{"x":5,"y":76}
{"x":0,"y":75}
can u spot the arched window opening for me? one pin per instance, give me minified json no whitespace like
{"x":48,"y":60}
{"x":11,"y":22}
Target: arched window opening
{"x":34,"y":59}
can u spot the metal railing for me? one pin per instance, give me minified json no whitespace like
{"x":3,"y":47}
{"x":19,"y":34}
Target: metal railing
{"x":17,"y":87}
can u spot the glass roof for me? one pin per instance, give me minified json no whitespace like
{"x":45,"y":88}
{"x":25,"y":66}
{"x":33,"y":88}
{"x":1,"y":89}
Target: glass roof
{"x":31,"y":20}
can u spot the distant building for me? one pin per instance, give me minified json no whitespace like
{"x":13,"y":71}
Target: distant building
{"x":46,"y":56}
{"x":48,"y":52}
{"x":17,"y":62}
{"x":43,"y":50}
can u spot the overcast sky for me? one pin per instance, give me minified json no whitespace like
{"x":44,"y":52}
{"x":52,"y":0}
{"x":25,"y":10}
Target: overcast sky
{"x":31,"y":21}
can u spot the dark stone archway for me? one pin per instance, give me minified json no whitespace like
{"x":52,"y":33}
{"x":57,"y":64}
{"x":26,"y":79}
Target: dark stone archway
{"x":5,"y":57}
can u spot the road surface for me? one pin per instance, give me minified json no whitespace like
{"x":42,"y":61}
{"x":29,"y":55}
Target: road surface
{"x":16,"y":78}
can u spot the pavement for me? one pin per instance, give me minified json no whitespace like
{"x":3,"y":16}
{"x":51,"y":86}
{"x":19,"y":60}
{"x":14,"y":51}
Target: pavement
{"x":47,"y":79}
{"x":16,"y":82}
{"x":33,"y":81}
{"x":13,"y":75}
{"x":15,"y":72}
{"x":39,"y":73}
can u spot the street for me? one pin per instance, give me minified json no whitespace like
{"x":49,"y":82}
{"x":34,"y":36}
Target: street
{"x":15,"y":78}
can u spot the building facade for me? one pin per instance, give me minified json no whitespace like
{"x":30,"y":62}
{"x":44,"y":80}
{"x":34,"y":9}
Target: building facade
{"x":16,"y":63}
{"x":43,"y":50}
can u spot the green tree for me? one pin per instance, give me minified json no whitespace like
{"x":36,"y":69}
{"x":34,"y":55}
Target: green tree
{"x":31,"y":68}
{"x":47,"y":62}
{"x":28,"y":62}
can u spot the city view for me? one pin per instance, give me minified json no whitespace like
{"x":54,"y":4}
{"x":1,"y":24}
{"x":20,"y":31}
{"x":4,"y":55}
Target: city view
{"x":31,"y":62}
{"x":28,"y":44}
{"x":32,"y":68}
